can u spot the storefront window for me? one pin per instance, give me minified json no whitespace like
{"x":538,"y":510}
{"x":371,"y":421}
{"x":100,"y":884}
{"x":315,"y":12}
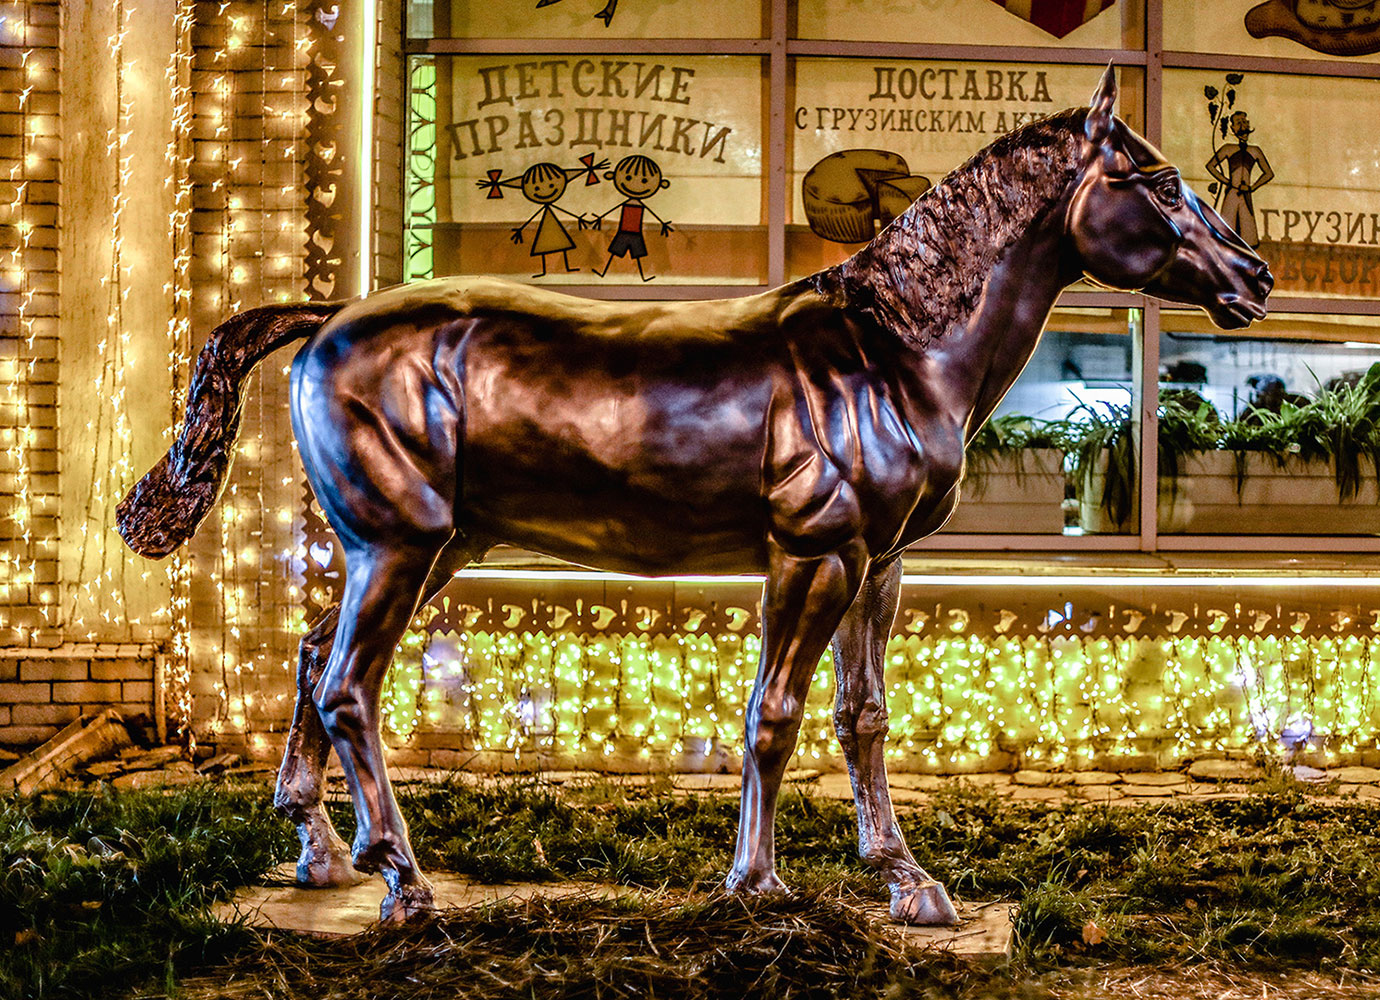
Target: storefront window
{"x":868,"y":136}
{"x":570,"y":169}
{"x":1098,"y":24}
{"x":1059,"y":457}
{"x":1290,"y":162}
{"x":1271,"y":433}
{"x":514,"y":156}
{"x":1287,"y":29}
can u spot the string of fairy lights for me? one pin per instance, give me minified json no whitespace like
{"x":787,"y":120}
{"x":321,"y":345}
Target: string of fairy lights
{"x":178,"y":156}
{"x":254,"y":151}
{"x":29,"y":531}
{"x":101,"y":564}
{"x":955,"y":700}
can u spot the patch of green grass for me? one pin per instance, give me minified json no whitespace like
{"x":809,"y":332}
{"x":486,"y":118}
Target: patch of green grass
{"x":104,"y":888}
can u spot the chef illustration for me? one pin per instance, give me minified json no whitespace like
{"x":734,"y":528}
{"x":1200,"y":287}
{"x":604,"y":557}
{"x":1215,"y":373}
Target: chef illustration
{"x":1234,"y":166}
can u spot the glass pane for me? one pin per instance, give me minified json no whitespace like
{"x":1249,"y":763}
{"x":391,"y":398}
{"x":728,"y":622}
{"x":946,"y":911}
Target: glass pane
{"x":1293,"y":29}
{"x":869,"y":135}
{"x":568,"y":169}
{"x":1295,"y":169}
{"x":1059,"y":455}
{"x":584,"y":19}
{"x":1271,"y":433}
{"x":1096,"y":24}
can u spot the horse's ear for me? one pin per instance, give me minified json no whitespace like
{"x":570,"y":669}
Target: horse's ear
{"x":1099,"y":122}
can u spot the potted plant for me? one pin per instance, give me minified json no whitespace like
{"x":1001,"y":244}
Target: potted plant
{"x":1102,"y":453}
{"x":1013,"y":480}
{"x":1308,"y":469}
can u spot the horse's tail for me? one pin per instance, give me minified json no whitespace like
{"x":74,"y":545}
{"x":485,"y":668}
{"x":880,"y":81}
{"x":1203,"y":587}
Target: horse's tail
{"x":165,"y":507}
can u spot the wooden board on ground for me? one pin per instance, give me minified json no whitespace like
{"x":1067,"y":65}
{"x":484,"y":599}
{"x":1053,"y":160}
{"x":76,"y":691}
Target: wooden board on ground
{"x":983,"y":935}
{"x":88,"y":737}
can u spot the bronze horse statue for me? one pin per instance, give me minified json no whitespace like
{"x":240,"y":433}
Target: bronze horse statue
{"x":811,"y":433}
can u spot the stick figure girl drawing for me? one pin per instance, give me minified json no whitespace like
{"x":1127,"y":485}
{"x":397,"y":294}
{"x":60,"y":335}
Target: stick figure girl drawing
{"x":543,"y":184}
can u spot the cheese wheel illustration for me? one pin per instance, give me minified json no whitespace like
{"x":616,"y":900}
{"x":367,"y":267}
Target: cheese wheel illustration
{"x":1337,"y":15}
{"x":897,"y":194}
{"x":1336,"y":27}
{"x":843,"y":193}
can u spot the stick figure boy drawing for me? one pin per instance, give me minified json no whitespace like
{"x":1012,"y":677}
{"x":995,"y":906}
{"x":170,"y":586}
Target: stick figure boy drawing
{"x":637,"y":177}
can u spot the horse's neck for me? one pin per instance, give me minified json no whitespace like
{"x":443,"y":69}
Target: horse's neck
{"x":982,"y":357}
{"x":962,"y":344}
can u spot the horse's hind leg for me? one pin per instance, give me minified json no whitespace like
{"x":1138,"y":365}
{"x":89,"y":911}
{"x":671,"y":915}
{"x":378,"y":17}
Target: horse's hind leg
{"x":325,"y":858}
{"x":860,"y":719}
{"x":382,"y":586}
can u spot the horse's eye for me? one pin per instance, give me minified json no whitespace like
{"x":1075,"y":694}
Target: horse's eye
{"x":1169,"y":192}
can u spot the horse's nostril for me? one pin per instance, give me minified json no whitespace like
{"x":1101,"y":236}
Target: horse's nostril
{"x":1265,"y":278}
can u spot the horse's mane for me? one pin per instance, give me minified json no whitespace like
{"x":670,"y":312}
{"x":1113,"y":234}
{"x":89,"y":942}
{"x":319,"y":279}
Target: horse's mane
{"x":925,"y":271}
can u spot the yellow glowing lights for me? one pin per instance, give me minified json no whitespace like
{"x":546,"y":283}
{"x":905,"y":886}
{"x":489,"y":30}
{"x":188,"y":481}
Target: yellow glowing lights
{"x":27,"y":602}
{"x":953,"y":700}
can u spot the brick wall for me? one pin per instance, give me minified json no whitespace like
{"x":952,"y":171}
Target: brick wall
{"x":29,"y":161}
{"x":41,"y":690}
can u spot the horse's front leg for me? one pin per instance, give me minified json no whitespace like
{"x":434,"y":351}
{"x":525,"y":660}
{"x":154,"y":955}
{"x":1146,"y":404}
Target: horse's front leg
{"x":803,"y":602}
{"x":860,"y":719}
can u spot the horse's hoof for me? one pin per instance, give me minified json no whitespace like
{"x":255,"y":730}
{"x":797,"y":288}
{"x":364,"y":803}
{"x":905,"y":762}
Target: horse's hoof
{"x":325,"y":861}
{"x":922,"y":904}
{"x":326,"y":869}
{"x":407,"y":902}
{"x":755,"y":883}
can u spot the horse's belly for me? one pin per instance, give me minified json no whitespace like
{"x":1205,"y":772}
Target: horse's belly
{"x":663,"y":480}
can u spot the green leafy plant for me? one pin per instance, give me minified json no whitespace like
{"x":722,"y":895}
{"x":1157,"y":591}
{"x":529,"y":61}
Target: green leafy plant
{"x":1008,"y":439}
{"x":1340,"y":425}
{"x":1188,"y":425}
{"x":1101,"y":438}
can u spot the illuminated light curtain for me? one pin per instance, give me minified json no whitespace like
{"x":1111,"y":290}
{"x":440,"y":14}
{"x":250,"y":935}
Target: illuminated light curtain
{"x":249,"y":248}
{"x":956,"y":700}
{"x":29,"y":591}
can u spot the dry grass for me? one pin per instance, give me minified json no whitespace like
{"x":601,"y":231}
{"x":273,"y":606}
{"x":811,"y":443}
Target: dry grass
{"x":658,"y":945}
{"x":1209,"y":983}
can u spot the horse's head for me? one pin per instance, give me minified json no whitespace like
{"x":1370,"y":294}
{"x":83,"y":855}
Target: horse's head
{"x":1135,"y":225}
